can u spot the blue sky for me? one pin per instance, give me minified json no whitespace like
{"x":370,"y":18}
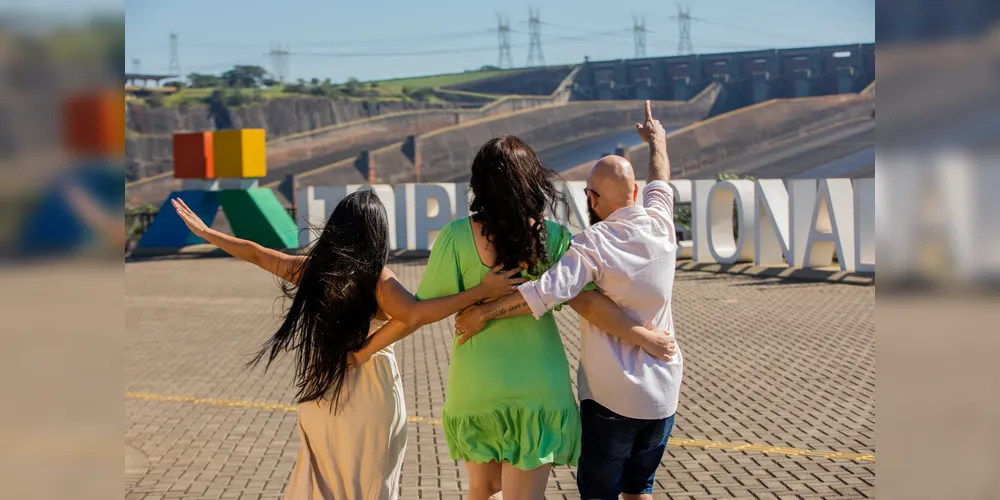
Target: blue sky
{"x":377,"y":39}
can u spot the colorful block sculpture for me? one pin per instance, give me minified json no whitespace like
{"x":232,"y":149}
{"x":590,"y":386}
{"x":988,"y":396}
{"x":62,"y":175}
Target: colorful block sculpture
{"x":94,"y":124}
{"x":169,"y":231}
{"x":193,"y":156}
{"x":257,"y":215}
{"x":254,"y":214}
{"x":240,"y":154}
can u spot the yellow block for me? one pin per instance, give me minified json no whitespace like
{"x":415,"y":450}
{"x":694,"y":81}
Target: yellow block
{"x":240,"y":153}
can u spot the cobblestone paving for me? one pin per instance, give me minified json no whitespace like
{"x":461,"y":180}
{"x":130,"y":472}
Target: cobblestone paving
{"x":767,"y":363}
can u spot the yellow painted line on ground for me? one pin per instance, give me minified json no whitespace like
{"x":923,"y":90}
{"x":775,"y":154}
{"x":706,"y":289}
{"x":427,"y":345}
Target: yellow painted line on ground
{"x":242,"y":404}
{"x":680,"y":442}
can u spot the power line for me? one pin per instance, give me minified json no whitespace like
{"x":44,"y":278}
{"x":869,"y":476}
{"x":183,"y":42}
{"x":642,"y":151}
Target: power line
{"x":639,"y":34}
{"x":582,"y":30}
{"x":460,"y":50}
{"x":457,"y":50}
{"x":414,"y":38}
{"x":535,"y":57}
{"x":174,"y":67}
{"x":503,"y":34}
{"x":352,"y":42}
{"x":749,"y":30}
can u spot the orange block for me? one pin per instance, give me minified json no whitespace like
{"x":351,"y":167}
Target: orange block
{"x":94,"y":123}
{"x":193,"y":156}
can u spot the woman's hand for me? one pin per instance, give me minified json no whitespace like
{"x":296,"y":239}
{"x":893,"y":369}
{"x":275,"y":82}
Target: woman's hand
{"x":659,"y":344}
{"x":498,"y":282}
{"x":361,"y":356}
{"x":358,"y":358}
{"x":468,"y":323}
{"x":192,"y":221}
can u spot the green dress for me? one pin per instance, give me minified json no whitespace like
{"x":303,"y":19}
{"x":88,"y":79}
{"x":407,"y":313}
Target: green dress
{"x":509,"y":396}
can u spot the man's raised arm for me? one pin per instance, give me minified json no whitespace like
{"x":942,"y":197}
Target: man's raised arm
{"x":652,"y":132}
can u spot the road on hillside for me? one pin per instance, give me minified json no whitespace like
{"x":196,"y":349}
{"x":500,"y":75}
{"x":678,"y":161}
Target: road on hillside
{"x":845,"y":151}
{"x":578,"y":152}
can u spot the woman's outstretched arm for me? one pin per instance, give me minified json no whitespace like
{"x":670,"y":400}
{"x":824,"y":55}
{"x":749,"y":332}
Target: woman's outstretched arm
{"x":389,"y":334}
{"x":402,"y":306}
{"x":284,"y":266}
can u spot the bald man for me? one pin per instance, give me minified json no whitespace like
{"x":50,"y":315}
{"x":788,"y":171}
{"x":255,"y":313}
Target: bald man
{"x":629,"y":387}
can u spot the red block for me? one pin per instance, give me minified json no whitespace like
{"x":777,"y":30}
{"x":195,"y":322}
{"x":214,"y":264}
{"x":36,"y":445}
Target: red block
{"x":94,"y":123}
{"x":193,"y":156}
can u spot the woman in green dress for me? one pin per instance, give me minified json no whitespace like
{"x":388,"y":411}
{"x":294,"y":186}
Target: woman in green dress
{"x":509,"y":410}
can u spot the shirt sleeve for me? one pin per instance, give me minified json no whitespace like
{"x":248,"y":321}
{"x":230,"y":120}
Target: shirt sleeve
{"x":659,"y":196}
{"x":658,"y":199}
{"x":442,"y":277}
{"x":578,"y":267}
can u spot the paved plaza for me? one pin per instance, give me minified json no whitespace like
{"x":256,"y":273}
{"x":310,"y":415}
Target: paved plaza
{"x":778,"y":398}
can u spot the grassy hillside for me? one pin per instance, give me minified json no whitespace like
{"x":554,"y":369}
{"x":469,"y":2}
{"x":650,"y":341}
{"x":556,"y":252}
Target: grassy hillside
{"x":438,"y":81}
{"x":425,"y":88}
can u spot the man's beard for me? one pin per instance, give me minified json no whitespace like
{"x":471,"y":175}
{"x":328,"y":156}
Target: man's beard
{"x":594,"y":218}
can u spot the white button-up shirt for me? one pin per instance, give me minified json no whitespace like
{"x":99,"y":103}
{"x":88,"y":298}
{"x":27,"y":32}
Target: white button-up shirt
{"x":630,"y":257}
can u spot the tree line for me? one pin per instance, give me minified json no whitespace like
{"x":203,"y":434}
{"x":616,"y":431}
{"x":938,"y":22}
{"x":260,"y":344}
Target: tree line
{"x":231,"y":87}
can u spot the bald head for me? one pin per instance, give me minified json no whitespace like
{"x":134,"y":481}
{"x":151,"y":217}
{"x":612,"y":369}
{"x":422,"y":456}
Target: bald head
{"x":613,"y":181}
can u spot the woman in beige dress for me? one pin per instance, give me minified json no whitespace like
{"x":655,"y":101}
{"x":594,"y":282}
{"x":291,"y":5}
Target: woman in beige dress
{"x":352,"y":424}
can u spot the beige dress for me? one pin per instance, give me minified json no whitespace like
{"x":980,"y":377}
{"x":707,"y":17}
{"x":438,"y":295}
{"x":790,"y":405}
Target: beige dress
{"x":356,"y":453}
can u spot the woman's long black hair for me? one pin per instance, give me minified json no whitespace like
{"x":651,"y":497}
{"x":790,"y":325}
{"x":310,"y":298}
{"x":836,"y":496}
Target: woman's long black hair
{"x":511,"y":191}
{"x":334,"y":301}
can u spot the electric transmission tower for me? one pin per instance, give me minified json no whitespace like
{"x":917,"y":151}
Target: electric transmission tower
{"x":174,"y":68}
{"x":503,"y":32}
{"x":639,"y":34}
{"x":535,"y":57}
{"x":684,"y":19}
{"x":279,"y":62}
{"x":136,"y":65}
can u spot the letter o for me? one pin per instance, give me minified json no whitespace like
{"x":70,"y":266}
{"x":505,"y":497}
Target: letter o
{"x":725,"y":248}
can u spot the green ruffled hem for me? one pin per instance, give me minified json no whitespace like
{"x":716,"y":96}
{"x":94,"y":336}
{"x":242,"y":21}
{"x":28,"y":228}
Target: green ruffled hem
{"x":524,"y":437}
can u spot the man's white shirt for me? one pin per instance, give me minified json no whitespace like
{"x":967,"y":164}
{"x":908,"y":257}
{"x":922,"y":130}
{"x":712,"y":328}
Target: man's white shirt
{"x":630,"y":257}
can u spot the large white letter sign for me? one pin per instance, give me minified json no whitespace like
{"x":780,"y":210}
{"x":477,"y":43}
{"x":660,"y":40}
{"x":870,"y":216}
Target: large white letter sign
{"x":682,"y":195}
{"x":316,"y":203}
{"x":864,"y":225}
{"x":782,"y":220}
{"x":772,"y":218}
{"x":699,"y":219}
{"x":832,"y":228}
{"x":801,"y":202}
{"x":430,"y":208}
{"x":724,"y":247}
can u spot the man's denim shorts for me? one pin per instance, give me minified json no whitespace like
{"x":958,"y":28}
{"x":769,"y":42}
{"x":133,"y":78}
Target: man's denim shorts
{"x":619,"y":454}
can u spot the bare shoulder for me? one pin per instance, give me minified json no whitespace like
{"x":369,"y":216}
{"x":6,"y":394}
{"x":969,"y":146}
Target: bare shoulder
{"x":385,"y":280}
{"x":387,"y":274}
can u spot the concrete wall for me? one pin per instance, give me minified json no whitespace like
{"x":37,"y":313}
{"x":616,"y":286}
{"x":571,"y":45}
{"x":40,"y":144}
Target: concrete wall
{"x":446,"y":154}
{"x":698,"y":146}
{"x":757,"y":75}
{"x":280,"y":116}
{"x":148,"y":149}
{"x":537,"y":81}
{"x":152,"y":155}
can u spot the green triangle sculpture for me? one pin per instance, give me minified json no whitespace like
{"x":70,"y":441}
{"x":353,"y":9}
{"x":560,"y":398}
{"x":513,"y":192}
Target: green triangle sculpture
{"x":257,"y":215}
